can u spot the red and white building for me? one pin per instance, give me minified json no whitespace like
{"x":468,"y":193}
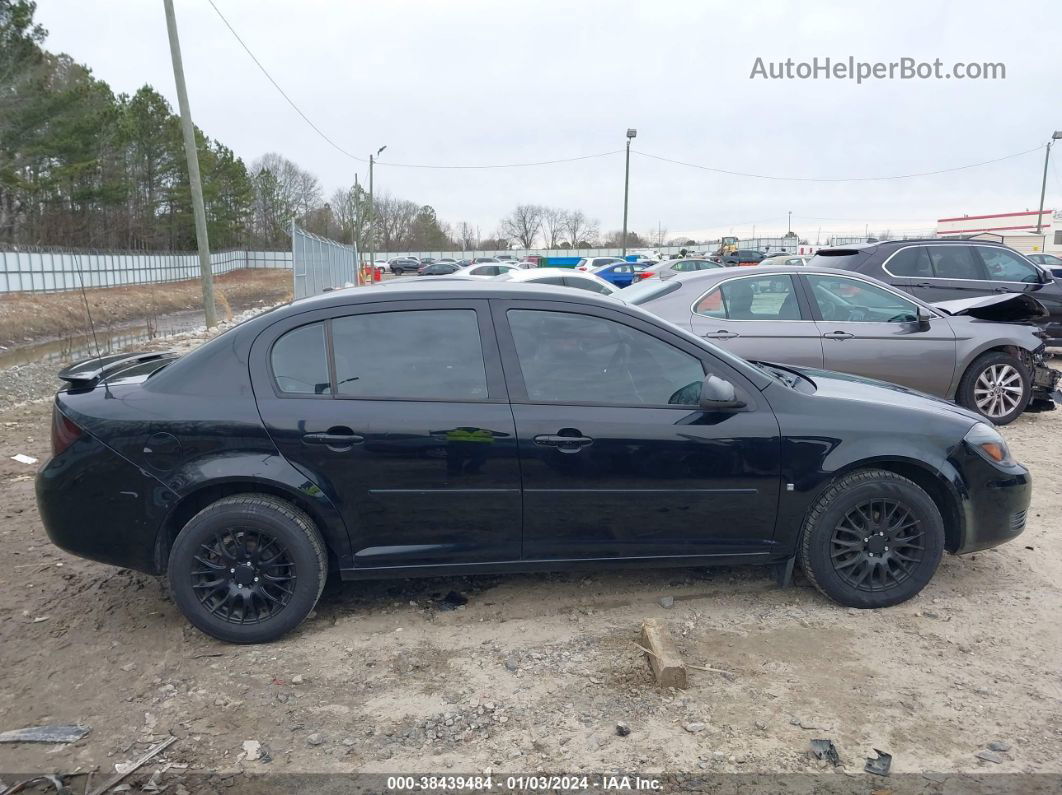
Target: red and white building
{"x":1017,"y":230}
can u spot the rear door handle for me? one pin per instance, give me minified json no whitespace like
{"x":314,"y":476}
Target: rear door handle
{"x":1000,"y":290}
{"x":566,"y":444}
{"x":838,"y":335}
{"x":924,"y":285}
{"x":722,"y":334}
{"x":334,"y":438}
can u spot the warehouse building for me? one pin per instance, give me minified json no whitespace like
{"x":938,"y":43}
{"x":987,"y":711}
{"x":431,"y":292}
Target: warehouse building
{"x":1017,"y":230}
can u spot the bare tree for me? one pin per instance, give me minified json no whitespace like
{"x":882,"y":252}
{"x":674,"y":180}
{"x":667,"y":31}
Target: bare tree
{"x":578,"y":228}
{"x":553,"y":220}
{"x":523,"y":224}
{"x":467,"y":236}
{"x":394,"y":221}
{"x":283,"y":192}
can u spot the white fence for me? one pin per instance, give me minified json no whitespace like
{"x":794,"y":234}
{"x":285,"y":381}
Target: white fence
{"x":25,"y":269}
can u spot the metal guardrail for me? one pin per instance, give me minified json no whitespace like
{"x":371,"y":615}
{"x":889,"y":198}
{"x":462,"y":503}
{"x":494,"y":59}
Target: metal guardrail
{"x":29,"y":269}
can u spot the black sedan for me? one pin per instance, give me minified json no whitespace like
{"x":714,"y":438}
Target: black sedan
{"x":443,"y":427}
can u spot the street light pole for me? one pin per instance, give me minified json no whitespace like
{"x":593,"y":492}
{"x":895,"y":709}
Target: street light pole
{"x":195,"y":183}
{"x":372,"y":211}
{"x":1043,"y":185}
{"x":631,"y":133}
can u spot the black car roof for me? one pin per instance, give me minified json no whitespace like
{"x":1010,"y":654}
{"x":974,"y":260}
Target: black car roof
{"x":914,"y":241}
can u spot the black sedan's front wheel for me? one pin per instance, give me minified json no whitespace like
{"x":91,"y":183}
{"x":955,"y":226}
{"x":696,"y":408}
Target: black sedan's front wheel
{"x":247,"y":568}
{"x":873,"y":539}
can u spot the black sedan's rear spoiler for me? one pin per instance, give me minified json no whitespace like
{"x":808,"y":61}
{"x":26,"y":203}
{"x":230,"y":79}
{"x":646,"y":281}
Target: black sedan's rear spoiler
{"x":88,"y":373}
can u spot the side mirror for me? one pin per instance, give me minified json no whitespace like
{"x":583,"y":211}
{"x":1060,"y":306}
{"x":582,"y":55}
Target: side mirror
{"x":718,"y":394}
{"x":924,"y":316}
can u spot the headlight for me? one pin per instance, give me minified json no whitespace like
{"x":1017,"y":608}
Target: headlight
{"x":987,"y":442}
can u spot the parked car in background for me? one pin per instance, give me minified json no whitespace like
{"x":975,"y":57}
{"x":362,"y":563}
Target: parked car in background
{"x":672,"y":267}
{"x":944,"y":270}
{"x":438,"y":269}
{"x":400,"y":265}
{"x":483,"y":260}
{"x":559,"y":277}
{"x":743,"y":256}
{"x":507,"y":258}
{"x":592,"y":263}
{"x":486,"y":270}
{"x":288,"y":446}
{"x":621,"y":274}
{"x":1048,"y":262}
{"x":836,"y":320}
{"x":785,"y":259}
{"x":533,"y":260}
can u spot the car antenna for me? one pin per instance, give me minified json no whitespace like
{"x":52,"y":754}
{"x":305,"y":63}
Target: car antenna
{"x":92,"y":326}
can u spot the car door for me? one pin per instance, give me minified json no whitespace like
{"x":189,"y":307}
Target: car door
{"x":620,"y":275}
{"x":617,"y":460}
{"x":398,"y":412}
{"x":760,"y":317}
{"x":957,"y":272}
{"x":873,"y":331}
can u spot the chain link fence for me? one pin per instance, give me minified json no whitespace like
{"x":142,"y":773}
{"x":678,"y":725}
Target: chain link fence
{"x":320,"y":264}
{"x":29,"y":269}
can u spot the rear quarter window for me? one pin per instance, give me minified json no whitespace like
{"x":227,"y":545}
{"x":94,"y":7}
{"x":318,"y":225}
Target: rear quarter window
{"x":300,"y":362}
{"x":843,"y":259}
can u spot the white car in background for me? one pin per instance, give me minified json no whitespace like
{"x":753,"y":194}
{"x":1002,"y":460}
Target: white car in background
{"x":486,"y":270}
{"x":590,"y":263}
{"x":561,"y":277}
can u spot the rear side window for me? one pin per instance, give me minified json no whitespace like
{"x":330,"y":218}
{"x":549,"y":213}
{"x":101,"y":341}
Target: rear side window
{"x":645,"y":291}
{"x":412,"y":355}
{"x":913,"y":261}
{"x":300,"y":362}
{"x":955,"y":262}
{"x":764,"y":298}
{"x":844,"y":259}
{"x":586,"y":284}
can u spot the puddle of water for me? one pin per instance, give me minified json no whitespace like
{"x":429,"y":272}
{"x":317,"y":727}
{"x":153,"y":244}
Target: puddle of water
{"x":83,"y":346}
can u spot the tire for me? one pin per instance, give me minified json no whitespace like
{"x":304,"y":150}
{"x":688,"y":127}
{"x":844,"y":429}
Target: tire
{"x":834,"y":556}
{"x":248,"y":600}
{"x":991,"y":370}
{"x":395,"y":271}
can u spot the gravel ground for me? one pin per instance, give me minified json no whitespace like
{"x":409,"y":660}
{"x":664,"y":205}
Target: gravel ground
{"x":534,"y":672}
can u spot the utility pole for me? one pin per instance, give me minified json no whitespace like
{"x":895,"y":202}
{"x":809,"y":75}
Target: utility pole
{"x":1043,"y":186}
{"x":372,"y":211}
{"x":355,"y":217}
{"x":194,"y":180}
{"x":631,"y":133}
{"x":790,"y":221}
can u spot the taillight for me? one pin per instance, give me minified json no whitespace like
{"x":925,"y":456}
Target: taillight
{"x":64,"y":432}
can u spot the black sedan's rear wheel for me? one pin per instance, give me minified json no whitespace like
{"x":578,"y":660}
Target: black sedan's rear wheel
{"x":997,"y":386}
{"x":248,"y":568}
{"x":873,"y":539}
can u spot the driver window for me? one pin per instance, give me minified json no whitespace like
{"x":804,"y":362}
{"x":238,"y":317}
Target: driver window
{"x":845,"y":300}
{"x":300,"y":362}
{"x":572,"y":358}
{"x":1003,"y":266}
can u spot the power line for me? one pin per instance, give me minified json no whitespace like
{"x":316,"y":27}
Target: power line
{"x":835,"y":179}
{"x":505,"y":165}
{"x":276,"y":85}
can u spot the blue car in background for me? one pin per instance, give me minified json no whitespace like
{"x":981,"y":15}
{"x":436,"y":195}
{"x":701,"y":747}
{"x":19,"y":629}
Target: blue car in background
{"x":621,"y":274}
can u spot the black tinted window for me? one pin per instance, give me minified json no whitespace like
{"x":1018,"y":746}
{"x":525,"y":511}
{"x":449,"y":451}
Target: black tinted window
{"x":572,"y":358}
{"x":955,"y":262}
{"x":428,"y":353}
{"x":585,"y":284}
{"x":912,"y":261}
{"x":300,"y":362}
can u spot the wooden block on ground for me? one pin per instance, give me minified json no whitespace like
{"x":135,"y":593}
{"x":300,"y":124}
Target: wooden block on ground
{"x":664,"y":657}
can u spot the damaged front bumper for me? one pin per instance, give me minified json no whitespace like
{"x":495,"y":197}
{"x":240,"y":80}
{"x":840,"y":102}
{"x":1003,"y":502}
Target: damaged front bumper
{"x":1045,"y":384}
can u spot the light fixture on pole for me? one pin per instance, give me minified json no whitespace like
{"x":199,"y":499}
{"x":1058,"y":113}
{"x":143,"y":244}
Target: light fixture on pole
{"x":631,"y":133}
{"x":372,"y":211}
{"x":1043,"y":186}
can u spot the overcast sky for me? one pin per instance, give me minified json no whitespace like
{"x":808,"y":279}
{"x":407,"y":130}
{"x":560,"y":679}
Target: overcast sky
{"x":466,"y":82}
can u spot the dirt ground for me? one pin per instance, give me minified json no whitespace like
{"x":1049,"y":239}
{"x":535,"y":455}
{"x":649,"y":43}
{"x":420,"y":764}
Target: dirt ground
{"x":535,"y":671}
{"x":25,"y":317}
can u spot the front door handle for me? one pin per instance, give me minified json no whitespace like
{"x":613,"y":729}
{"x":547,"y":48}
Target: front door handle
{"x":722,"y":334}
{"x":338,"y":438}
{"x":838,"y":335}
{"x":566,"y":444}
{"x":1000,"y":290}
{"x":924,"y":285}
